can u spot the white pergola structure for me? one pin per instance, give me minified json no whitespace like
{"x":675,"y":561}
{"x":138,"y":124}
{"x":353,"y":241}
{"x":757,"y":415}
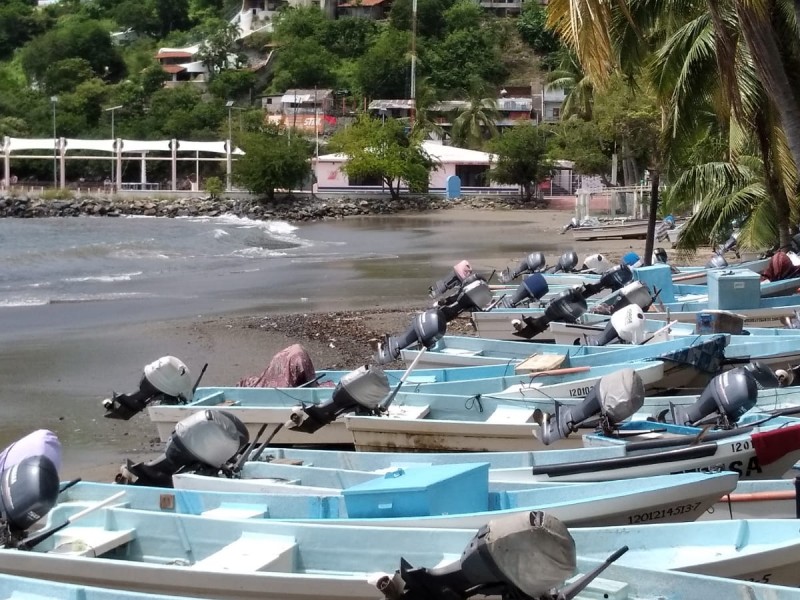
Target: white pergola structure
{"x":117,"y":150}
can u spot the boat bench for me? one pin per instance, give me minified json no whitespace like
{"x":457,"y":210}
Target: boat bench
{"x":509,"y":414}
{"x":462,"y":352}
{"x":90,"y":541}
{"x":409,"y":412}
{"x":233,"y":510}
{"x":252,"y":553}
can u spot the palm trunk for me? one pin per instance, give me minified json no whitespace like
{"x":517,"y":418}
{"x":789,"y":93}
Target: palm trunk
{"x":772,"y":180}
{"x":771,"y":72}
{"x":649,"y":243}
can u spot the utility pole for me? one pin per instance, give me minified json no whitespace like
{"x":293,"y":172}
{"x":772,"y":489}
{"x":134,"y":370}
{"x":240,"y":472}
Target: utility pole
{"x":112,"y":110}
{"x":413,"y":62}
{"x":229,"y":104}
{"x":54,"y":100}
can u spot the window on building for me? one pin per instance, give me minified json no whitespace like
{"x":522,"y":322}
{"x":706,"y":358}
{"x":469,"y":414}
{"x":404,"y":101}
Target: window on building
{"x":269,"y":100}
{"x":556,"y":113}
{"x":473,"y":175}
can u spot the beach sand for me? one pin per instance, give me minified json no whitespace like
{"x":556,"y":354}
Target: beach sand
{"x":87,"y":365}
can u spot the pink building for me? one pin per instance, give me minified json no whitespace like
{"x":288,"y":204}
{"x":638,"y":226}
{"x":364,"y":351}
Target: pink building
{"x":471,"y":166}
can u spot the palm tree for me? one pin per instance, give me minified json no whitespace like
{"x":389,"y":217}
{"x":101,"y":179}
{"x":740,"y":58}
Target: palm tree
{"x":476,"y":123}
{"x":427,"y":98}
{"x":578,"y":88}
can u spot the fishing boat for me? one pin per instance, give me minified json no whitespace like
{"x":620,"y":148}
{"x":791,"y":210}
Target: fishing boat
{"x":757,"y":499}
{"x":29,"y":588}
{"x":144,"y":551}
{"x":766,"y":551}
{"x":443,"y":496}
{"x":257,"y":407}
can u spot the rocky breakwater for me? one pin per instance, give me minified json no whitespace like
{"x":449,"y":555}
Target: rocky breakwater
{"x":288,"y":209}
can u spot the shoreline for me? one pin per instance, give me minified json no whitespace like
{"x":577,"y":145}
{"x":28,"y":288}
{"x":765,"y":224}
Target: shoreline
{"x":63,"y":378}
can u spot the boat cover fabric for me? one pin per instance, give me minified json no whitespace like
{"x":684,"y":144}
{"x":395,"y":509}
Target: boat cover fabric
{"x":463,"y":270}
{"x":291,"y":367}
{"x":621,"y":394}
{"x":41,"y":442}
{"x":780,"y":267}
{"x":773,"y":445}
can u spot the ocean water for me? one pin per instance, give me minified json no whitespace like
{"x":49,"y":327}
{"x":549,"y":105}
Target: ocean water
{"x":73,"y":273}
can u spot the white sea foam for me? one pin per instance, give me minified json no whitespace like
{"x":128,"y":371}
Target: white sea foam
{"x":69,"y":299}
{"x":219,"y":233}
{"x":252,"y":252}
{"x":129,"y":253}
{"x":9,"y":302}
{"x":105,"y":278}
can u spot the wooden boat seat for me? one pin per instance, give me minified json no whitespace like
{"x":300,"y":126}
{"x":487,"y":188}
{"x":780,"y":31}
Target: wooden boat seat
{"x":540,"y":362}
{"x":90,"y":541}
{"x":252,"y":553}
{"x":234,"y":510}
{"x":511,"y":414}
{"x":409,"y":412}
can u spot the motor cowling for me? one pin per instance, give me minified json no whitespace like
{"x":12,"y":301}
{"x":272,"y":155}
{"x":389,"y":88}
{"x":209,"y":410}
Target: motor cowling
{"x":525,"y":555}
{"x":533,"y":263}
{"x":474,"y":295}
{"x":206,"y":441}
{"x":727,"y":397}
{"x":596,"y":263}
{"x":765,"y":377}
{"x":615,"y":397}
{"x":660,"y":256}
{"x":632,"y":259}
{"x":166,"y":380}
{"x":627,"y":325}
{"x":360,"y":390}
{"x":532,"y":288}
{"x":426,"y":328}
{"x":28,"y":491}
{"x":717,"y":262}
{"x":566,"y":262}
{"x":636,"y":293}
{"x":459,"y":273}
{"x":573,"y":223}
{"x":613,"y":279}
{"x":566,"y":307}
{"x":730,"y":244}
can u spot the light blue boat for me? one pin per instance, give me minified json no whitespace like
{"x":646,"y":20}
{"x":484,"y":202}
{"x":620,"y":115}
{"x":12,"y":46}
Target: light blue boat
{"x":256,"y":407}
{"x":766,"y":551}
{"x":757,"y":499}
{"x":30,"y":588}
{"x":436,"y":375}
{"x":122,"y":549}
{"x":443,"y":496}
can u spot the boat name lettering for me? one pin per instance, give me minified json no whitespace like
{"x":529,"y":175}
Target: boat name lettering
{"x":763,"y":579}
{"x":663,"y":513}
{"x":741,"y":446}
{"x":752,"y":467}
{"x":579,"y":392}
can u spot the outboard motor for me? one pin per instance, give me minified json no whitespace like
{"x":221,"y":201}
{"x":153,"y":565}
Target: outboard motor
{"x":533,"y":263}
{"x":635,"y":292}
{"x":666,"y":224}
{"x":532,"y":288}
{"x":166,"y":380}
{"x":564,"y":308}
{"x":717,"y":262}
{"x":28,"y":491}
{"x":573,"y":223}
{"x":459,"y":273}
{"x":525,"y":555}
{"x":660,"y":256}
{"x":566,"y":263}
{"x":765,"y":377}
{"x":474,"y":294}
{"x":732,"y":243}
{"x":613,"y":279}
{"x":727,"y":397}
{"x":632,"y":259}
{"x":204,"y":442}
{"x":614,"y":398}
{"x":426,"y":328}
{"x":596,"y":263}
{"x":794,"y":245}
{"x":364,"y":388}
{"x":627,"y":324}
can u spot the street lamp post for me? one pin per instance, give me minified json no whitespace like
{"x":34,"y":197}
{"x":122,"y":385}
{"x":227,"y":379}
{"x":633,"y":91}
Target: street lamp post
{"x":229,"y":104}
{"x":54,"y":100}
{"x":112,"y":110}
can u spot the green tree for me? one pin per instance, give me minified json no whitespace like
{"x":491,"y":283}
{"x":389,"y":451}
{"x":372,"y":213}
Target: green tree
{"x":383,"y":72}
{"x":272,"y":161}
{"x":383,"y":149}
{"x":298,"y":23}
{"x":476,"y":123}
{"x":18,"y":24}
{"x":217,"y":46}
{"x":463,"y":15}
{"x":465,"y":56}
{"x":583,"y":143}
{"x":303,"y":63}
{"x":431,"y":22}
{"x":232,"y":84}
{"x":522,"y":157}
{"x":532,"y":27}
{"x":348,"y":37}
{"x":65,"y":75}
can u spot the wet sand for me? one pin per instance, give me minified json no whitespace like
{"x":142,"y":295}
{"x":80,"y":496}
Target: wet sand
{"x":62,"y":379}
